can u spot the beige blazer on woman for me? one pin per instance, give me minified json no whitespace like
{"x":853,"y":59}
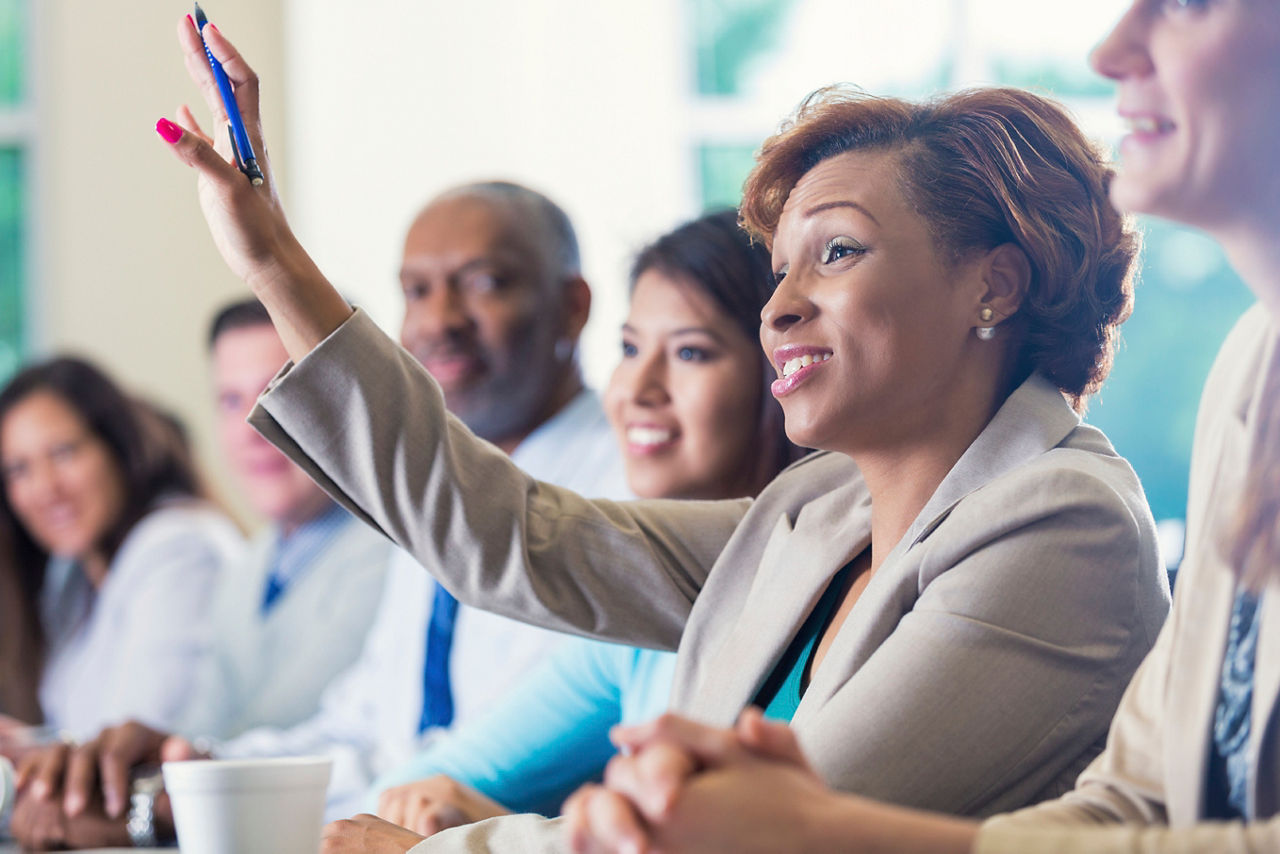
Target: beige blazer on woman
{"x":1152,"y":773}
{"x":977,"y":672}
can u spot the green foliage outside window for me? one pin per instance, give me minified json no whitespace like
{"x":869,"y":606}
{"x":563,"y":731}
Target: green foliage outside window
{"x":12,"y":51}
{"x":728,"y":35}
{"x":11,"y":263}
{"x":1054,"y":79}
{"x":721,"y":171}
{"x":13,"y":25}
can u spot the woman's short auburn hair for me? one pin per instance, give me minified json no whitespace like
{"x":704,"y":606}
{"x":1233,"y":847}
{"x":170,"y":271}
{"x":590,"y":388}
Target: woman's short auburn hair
{"x":985,"y":167}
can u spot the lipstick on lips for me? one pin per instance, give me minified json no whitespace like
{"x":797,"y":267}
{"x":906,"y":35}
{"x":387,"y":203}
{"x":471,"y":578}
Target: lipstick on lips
{"x":795,"y":363}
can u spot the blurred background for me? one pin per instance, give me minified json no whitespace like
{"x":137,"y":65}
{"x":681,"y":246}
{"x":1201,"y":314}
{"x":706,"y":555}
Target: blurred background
{"x":633,"y":116}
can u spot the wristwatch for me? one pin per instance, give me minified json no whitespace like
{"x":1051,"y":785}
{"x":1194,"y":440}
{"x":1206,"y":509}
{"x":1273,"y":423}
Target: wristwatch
{"x":141,"y":825}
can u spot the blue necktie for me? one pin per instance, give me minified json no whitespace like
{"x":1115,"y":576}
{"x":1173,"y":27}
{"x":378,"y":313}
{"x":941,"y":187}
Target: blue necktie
{"x":270,"y":595}
{"x":437,"y":699}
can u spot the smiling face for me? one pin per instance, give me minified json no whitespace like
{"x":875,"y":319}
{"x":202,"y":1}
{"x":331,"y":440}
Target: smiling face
{"x":61,"y":480}
{"x":483,"y":313}
{"x":871,"y":325}
{"x":1199,"y":84}
{"x":244,"y":361}
{"x":685,"y":399}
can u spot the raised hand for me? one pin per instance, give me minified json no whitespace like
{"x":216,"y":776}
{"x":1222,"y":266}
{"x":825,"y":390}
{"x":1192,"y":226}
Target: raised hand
{"x":431,"y":805}
{"x":247,"y":223}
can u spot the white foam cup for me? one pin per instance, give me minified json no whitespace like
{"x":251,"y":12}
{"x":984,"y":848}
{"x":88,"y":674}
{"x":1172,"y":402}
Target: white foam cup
{"x":248,"y":806}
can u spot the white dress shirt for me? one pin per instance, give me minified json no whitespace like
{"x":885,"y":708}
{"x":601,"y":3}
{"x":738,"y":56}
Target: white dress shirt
{"x":368,"y":720}
{"x":132,"y":648}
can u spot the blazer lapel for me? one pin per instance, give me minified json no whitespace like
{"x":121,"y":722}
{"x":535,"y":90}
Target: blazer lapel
{"x":1266,"y":672}
{"x":1195,"y":681}
{"x":1035,"y":418}
{"x":795,"y":568}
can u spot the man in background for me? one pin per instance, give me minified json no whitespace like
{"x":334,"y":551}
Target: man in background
{"x":296,"y":613}
{"x":494,"y":305}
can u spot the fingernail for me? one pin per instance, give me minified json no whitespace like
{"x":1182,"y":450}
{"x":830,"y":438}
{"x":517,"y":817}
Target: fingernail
{"x":114,"y":807}
{"x":168,"y":131}
{"x":214,"y":27}
{"x":192,"y":22}
{"x":39,"y":790}
{"x":74,"y":803}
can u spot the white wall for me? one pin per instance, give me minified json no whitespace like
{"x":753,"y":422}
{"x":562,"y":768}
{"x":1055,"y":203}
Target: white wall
{"x":123,"y":269}
{"x":392,"y":102}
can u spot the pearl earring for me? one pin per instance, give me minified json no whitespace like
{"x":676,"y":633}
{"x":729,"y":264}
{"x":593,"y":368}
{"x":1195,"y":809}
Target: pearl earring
{"x":986,"y":333}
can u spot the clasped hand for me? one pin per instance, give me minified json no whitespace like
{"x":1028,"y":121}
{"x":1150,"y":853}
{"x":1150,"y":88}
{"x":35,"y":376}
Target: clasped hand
{"x":76,"y":795}
{"x":680,"y":786}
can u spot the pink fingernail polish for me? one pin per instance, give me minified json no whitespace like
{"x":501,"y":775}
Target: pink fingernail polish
{"x":168,"y":131}
{"x":192,"y":21}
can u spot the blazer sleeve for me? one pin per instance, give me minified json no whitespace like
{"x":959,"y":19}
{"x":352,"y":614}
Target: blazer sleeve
{"x":1205,"y":838}
{"x":368,"y":423}
{"x":1041,"y":594}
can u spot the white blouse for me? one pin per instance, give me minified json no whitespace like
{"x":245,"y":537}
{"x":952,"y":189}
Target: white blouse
{"x":132,"y":648}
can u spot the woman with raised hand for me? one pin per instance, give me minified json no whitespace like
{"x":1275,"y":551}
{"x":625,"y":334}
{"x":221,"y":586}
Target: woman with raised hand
{"x":1192,"y":762}
{"x":691,"y":408}
{"x":110,"y":554}
{"x":947,"y":602}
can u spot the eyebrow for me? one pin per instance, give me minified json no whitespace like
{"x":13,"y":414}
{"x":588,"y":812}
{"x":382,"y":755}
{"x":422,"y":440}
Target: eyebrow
{"x":826,"y":206}
{"x":495,"y":261}
{"x":684,"y":330}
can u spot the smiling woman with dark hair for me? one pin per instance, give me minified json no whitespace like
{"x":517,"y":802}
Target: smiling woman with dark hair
{"x":110,"y":552}
{"x":945,"y":602}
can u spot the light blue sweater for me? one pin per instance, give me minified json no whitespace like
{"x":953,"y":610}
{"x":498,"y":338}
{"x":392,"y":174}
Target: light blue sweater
{"x":551,"y":733}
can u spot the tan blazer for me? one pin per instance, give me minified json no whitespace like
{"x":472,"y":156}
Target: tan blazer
{"x":978,"y":671}
{"x":1153,"y":771}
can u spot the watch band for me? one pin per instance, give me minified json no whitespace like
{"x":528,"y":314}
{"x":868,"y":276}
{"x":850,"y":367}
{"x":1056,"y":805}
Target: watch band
{"x":141,"y":824}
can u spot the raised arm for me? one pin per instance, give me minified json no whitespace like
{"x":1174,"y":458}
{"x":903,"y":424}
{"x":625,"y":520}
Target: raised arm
{"x":369,"y":424}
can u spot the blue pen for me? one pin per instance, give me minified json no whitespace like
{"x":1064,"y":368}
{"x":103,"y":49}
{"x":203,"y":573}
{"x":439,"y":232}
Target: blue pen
{"x":240,"y":144}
